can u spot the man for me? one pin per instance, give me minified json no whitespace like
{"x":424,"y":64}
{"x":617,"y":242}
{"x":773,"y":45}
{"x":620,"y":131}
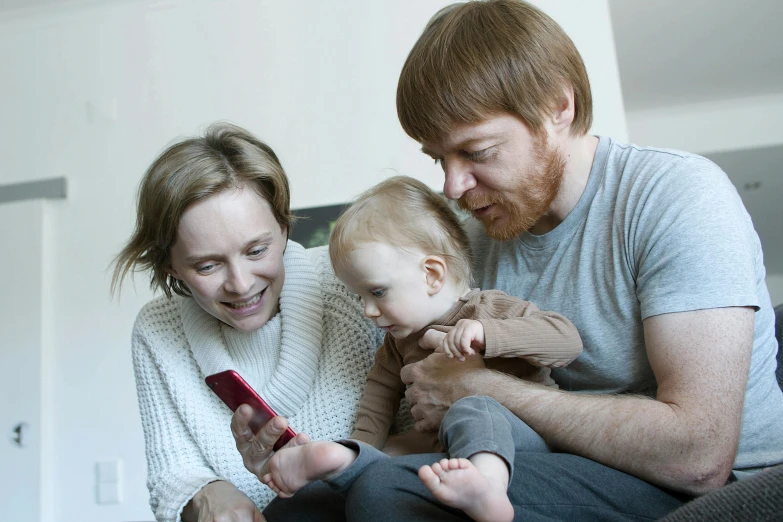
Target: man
{"x":649,"y":253}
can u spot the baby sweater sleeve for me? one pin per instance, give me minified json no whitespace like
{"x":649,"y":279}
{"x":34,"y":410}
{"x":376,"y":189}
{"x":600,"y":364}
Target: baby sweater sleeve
{"x":514,"y":328}
{"x":381,"y":398}
{"x":176,"y":469}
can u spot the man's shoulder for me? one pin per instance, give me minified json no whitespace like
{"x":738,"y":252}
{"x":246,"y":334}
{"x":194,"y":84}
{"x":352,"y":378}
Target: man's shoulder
{"x":638,"y":178}
{"x":636,"y":162}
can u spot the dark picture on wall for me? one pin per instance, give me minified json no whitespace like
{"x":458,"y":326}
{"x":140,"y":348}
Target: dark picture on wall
{"x":314,"y":224}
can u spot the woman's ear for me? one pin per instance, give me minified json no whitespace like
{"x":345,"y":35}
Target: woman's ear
{"x":284,"y":235}
{"x":435,"y":273}
{"x":173,"y":273}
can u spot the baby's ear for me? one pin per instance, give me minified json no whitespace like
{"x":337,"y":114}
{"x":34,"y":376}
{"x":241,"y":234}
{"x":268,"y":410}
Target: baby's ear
{"x":435,"y":273}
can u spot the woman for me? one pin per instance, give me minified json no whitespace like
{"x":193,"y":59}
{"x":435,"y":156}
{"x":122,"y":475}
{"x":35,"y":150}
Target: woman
{"x":212,"y":230}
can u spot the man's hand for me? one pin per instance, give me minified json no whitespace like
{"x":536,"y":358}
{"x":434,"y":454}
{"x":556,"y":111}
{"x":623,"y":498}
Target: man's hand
{"x":256,"y":449}
{"x":436,"y":383}
{"x":221,"y":501}
{"x":465,"y":338}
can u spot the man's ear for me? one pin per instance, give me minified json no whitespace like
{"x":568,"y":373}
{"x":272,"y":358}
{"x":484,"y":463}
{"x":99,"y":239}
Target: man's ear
{"x":565,"y":111}
{"x":435,"y":273}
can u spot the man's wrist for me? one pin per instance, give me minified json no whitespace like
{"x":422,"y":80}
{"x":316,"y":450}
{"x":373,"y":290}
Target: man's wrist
{"x":476,"y":381}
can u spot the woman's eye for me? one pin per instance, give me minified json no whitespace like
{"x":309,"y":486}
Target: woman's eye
{"x":205,"y":269}
{"x":258,"y":251}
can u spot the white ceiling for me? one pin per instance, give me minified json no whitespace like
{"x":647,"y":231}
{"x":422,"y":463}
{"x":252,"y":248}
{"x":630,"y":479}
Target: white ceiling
{"x":674,"y":52}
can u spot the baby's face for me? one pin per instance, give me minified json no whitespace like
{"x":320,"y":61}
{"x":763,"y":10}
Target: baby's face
{"x":392,"y":284}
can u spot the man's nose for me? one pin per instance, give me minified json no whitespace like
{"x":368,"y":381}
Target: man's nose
{"x":459,"y":179}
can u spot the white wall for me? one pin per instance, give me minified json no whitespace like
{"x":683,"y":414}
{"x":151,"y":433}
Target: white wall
{"x":714,"y":126}
{"x":93,"y":91}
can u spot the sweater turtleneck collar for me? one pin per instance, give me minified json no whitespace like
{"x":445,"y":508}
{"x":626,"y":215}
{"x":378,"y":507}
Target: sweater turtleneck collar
{"x":298,"y":348}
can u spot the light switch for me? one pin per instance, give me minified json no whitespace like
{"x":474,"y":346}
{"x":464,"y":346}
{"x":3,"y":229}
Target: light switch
{"x":108,"y":493}
{"x":108,"y":481}
{"x":108,"y":471}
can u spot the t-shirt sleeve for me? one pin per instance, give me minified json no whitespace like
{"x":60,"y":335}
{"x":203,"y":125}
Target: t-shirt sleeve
{"x":514,"y":328}
{"x":691,"y":240}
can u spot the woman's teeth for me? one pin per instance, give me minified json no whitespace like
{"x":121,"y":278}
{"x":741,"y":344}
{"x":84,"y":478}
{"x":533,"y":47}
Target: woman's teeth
{"x":244,"y":304}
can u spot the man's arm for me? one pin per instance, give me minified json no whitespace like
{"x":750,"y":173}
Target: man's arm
{"x":686,"y":439}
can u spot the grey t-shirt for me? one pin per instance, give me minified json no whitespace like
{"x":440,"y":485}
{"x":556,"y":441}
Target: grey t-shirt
{"x":655,"y":232}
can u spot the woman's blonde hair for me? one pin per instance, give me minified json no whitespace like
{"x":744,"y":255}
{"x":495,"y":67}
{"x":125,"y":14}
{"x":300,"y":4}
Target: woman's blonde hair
{"x":482,"y":58}
{"x":404,"y":213}
{"x":226,"y":158}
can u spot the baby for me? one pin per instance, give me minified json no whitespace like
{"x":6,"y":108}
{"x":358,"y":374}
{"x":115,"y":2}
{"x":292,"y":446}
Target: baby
{"x":402,"y":249}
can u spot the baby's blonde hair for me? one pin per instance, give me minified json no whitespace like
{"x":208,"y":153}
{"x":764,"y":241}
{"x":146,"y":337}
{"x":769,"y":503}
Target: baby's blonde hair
{"x":404,"y":213}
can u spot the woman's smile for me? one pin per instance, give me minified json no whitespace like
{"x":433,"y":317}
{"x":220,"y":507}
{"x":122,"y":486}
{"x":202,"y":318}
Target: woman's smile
{"x":247,"y":306}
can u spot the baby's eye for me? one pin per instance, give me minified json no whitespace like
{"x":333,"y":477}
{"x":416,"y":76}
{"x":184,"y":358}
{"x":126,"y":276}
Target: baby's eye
{"x":378,"y":293}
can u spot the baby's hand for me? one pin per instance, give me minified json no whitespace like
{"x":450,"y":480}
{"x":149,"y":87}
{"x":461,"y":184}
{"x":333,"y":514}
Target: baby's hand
{"x":465,"y":338}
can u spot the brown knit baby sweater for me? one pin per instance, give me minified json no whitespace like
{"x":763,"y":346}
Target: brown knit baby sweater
{"x":520,"y":340}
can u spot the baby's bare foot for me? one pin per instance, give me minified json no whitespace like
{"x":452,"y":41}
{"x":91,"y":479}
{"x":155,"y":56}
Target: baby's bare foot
{"x":459,"y":484}
{"x":290,"y":469}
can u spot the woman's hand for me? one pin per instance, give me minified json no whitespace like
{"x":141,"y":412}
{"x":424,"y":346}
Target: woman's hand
{"x":221,"y":501}
{"x":256,"y":449}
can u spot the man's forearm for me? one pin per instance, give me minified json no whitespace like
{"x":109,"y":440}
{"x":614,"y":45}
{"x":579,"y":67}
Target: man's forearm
{"x":686,"y":439}
{"x":643,"y":437}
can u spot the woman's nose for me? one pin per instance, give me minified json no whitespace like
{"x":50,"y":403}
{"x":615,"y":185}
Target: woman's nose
{"x":239,"y":282}
{"x":458,"y":179}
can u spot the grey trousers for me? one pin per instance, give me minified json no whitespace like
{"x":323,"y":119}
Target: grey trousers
{"x":472,"y":425}
{"x":544,"y":486}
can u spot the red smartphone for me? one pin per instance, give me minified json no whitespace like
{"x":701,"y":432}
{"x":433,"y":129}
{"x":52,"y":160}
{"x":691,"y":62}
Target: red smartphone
{"x":235,"y":391}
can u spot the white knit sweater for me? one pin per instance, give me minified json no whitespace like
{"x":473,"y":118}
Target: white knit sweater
{"x":310,"y":363}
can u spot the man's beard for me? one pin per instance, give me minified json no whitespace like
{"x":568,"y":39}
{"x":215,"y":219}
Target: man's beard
{"x":526,"y":202}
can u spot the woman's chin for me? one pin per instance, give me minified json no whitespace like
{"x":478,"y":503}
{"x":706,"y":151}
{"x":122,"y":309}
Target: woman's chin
{"x":247,"y":324}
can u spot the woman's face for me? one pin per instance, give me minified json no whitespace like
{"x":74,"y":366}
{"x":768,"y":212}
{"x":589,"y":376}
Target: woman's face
{"x":229,"y":252}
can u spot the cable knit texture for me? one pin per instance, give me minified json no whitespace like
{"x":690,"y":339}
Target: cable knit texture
{"x":309,"y":362}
